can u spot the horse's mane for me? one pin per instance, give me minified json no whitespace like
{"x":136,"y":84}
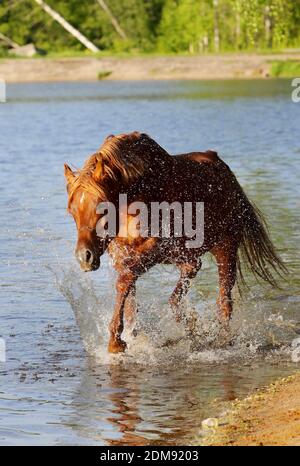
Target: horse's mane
{"x":124,"y":157}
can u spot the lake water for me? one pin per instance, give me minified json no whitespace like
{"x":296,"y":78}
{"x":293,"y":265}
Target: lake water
{"x":58,"y":384}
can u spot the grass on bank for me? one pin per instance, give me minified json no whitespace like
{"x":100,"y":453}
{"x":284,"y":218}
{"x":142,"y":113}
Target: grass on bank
{"x":104,"y":74}
{"x":136,"y":53}
{"x":285,"y":69}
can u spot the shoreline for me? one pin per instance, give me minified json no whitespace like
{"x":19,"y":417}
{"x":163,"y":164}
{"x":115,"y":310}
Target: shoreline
{"x":200,"y":67}
{"x":269,"y":417}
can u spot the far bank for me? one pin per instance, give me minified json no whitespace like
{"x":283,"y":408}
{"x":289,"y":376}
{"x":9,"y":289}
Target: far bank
{"x":227,"y":66}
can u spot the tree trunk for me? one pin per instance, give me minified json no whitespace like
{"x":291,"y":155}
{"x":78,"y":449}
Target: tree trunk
{"x":8,"y":41}
{"x":216,"y":26}
{"x":238,"y":28}
{"x":67,"y":26}
{"x":113,"y":19}
{"x":268,"y":27}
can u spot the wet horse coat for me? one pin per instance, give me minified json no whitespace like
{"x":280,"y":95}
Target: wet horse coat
{"x":134,"y":164}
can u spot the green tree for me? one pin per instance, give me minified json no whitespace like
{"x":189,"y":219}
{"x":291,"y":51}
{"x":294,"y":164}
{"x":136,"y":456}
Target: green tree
{"x":194,"y":26}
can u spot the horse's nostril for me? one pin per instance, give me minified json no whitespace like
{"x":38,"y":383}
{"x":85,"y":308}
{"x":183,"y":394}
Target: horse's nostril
{"x":88,"y":255}
{"x":84,"y":256}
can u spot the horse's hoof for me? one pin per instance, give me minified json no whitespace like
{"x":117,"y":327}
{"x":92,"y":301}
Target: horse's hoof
{"x":117,"y":346}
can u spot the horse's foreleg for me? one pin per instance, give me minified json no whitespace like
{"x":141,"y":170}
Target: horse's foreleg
{"x":125,"y":284}
{"x":226,"y":257}
{"x":187,"y":273}
{"x":130,"y":309}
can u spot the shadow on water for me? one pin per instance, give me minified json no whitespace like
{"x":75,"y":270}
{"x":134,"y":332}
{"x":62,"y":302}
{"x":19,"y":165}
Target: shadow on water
{"x":135,"y":405}
{"x":155,"y":91}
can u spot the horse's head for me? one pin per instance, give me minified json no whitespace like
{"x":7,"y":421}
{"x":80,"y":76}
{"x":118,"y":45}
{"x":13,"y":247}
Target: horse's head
{"x":120,"y":161}
{"x":82,"y":205}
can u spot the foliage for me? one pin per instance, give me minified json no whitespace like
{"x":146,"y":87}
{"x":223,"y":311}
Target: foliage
{"x":156,"y":25}
{"x":3,"y":52}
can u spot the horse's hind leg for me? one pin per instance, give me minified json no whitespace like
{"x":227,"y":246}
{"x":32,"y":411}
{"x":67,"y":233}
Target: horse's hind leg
{"x":226,"y":257}
{"x":188,"y":271}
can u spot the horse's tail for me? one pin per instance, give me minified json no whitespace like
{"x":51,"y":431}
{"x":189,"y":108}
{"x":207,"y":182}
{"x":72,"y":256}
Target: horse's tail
{"x":256,"y":248}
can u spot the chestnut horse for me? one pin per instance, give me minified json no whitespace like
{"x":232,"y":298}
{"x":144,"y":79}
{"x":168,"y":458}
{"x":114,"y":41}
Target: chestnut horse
{"x":134,"y":164}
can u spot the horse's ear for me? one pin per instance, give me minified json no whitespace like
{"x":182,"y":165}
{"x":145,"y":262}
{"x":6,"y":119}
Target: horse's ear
{"x":69,"y":174}
{"x":98,"y":171}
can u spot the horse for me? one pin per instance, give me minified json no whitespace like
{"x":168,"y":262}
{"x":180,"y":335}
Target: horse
{"x":135,"y":165}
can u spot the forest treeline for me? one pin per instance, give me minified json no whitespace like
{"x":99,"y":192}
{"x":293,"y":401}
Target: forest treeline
{"x":176,"y":26}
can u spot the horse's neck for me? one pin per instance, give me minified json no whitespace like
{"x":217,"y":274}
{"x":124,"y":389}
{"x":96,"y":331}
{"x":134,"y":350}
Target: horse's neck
{"x":151,"y":186}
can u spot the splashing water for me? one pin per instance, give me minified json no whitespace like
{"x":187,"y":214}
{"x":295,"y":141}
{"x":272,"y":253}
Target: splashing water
{"x":92,"y":322}
{"x":161,"y":340}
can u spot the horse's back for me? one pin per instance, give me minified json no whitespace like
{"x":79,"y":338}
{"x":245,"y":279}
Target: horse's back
{"x":208,"y":156}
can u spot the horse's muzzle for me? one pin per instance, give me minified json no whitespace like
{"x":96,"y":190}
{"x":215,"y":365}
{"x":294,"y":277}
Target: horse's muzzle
{"x":87,"y":259}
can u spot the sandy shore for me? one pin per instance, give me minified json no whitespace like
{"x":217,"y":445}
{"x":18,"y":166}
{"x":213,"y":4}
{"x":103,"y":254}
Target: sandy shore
{"x":268,"y":417}
{"x":225,"y":66}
